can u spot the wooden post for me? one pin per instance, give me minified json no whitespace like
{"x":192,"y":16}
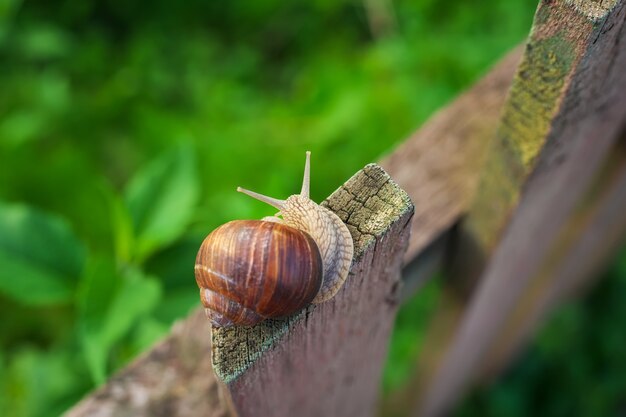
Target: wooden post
{"x":327,"y":360}
{"x":565,"y":111}
{"x":589,"y":239}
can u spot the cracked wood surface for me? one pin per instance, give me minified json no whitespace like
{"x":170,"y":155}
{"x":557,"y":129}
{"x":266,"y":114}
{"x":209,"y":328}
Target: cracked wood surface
{"x":327,"y":360}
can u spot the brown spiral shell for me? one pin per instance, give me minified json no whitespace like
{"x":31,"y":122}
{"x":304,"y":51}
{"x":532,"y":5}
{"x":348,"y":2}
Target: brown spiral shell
{"x":250,"y":270}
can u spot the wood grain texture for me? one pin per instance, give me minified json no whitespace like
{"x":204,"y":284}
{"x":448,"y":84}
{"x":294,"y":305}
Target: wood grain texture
{"x":173,"y":379}
{"x":588,"y":240}
{"x":566,"y":109}
{"x":328,"y":359}
{"x":569,"y":69}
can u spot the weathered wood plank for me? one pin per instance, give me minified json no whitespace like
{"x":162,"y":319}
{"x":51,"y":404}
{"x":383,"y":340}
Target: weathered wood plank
{"x":328,"y":359}
{"x":589,"y":239}
{"x":568,"y":70}
{"x":565,"y":110}
{"x":173,"y":379}
{"x":601,"y":231}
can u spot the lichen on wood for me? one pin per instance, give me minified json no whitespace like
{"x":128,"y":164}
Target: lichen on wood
{"x":563,"y":35}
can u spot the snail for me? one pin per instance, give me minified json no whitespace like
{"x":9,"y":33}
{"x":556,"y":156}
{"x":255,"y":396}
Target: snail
{"x":251,"y":270}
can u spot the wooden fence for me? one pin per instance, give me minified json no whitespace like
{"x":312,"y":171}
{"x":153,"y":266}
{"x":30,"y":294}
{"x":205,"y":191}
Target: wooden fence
{"x":519,"y":193}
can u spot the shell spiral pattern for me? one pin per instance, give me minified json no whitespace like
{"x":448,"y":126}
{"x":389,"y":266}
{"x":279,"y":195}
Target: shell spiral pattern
{"x":250,"y":270}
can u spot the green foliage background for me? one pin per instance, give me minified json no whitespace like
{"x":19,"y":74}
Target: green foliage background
{"x":126,"y":126}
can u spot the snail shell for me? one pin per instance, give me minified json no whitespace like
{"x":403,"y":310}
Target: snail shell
{"x":249,"y":270}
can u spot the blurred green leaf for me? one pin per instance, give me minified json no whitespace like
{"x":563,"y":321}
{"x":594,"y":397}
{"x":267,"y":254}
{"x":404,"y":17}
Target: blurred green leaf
{"x":8,"y":8}
{"x":137,"y":296}
{"x":43,"y":41}
{"x":40,"y":383}
{"x":174,"y":265}
{"x":148,"y":332}
{"x":110,"y":304}
{"x":22,"y":126}
{"x":161,"y":199}
{"x":177,"y":304}
{"x":40,"y":256}
{"x":121,"y":224}
{"x":30,"y":284}
{"x":98,"y":288}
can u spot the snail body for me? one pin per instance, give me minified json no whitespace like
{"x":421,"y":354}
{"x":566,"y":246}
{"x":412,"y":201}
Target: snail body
{"x":250,"y":270}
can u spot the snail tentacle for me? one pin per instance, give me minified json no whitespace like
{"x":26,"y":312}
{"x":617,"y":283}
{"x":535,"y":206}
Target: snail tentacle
{"x":306,"y":180}
{"x":274,"y":202}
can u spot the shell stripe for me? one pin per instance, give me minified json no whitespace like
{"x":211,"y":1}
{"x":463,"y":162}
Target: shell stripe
{"x":219,"y":307}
